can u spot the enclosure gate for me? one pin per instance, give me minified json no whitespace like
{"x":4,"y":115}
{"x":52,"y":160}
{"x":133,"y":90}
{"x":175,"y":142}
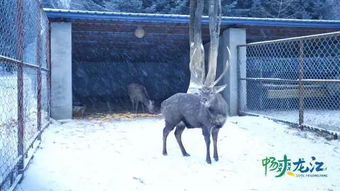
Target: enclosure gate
{"x":24,"y":85}
{"x":295,"y":80}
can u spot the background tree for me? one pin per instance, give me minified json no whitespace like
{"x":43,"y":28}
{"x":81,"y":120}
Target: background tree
{"x":301,"y":9}
{"x":196,"y":65}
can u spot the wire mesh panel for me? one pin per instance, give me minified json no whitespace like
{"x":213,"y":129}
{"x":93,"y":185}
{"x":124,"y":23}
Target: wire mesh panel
{"x":44,"y":32}
{"x":44,"y":100}
{"x":44,"y":56}
{"x":295,"y":80}
{"x":8,"y":92}
{"x":31,"y":33}
{"x":321,"y":69}
{"x":8,"y":118}
{"x":271,"y":61}
{"x":8,"y":28}
{"x":24,"y":84}
{"x":30,"y":105}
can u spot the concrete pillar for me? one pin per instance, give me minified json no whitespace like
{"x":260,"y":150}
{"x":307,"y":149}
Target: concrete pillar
{"x":61,"y":70}
{"x":233,"y":37}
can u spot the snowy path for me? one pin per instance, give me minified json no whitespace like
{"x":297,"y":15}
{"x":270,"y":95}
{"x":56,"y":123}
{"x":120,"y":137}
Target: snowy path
{"x":83,"y":155}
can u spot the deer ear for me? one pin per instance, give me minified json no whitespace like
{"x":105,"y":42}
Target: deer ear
{"x":218,"y":89}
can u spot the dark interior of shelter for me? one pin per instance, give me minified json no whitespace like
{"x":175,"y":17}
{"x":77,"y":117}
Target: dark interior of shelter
{"x":108,"y":57}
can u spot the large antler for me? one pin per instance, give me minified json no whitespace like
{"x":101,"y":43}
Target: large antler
{"x":197,"y":65}
{"x":214,"y":29}
{"x":227,"y":64}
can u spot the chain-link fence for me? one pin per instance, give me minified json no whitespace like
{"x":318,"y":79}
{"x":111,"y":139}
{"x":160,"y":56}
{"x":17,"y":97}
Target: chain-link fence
{"x":24,"y":84}
{"x":295,"y":80}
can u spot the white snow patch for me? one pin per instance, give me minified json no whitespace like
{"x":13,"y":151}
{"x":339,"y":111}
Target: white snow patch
{"x":319,"y":118}
{"x":85,"y":155}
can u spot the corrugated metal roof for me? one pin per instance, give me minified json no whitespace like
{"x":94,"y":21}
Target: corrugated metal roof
{"x":74,"y":15}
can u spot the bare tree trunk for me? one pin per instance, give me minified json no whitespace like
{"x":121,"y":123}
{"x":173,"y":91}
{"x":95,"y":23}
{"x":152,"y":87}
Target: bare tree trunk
{"x":192,"y":10}
{"x":197,"y":67}
{"x":214,"y":29}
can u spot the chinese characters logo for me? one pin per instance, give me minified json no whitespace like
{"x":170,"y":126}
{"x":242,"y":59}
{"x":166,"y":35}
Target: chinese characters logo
{"x":300,"y":168}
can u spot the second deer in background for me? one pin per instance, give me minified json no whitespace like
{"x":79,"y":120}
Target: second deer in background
{"x":138,"y":94}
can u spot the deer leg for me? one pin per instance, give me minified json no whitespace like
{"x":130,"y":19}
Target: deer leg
{"x":167,"y":129}
{"x":206,"y":135}
{"x":178,"y":134}
{"x":137,"y":103}
{"x":143,"y":108}
{"x":133,"y":106}
{"x":214,"y":134}
{"x":109,"y":106}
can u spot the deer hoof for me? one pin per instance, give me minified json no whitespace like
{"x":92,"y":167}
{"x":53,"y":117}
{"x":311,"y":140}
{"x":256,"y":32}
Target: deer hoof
{"x":208,"y":161}
{"x":165,"y":153}
{"x":216,"y":158}
{"x":186,"y":155}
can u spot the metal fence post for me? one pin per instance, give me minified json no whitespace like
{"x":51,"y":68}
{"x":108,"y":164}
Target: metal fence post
{"x":49,"y":69}
{"x":301,"y":85}
{"x":238,"y":79}
{"x":20,"y":83}
{"x":38,"y":59}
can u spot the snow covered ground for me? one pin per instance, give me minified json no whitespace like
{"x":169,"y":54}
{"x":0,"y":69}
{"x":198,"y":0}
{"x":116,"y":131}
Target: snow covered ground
{"x":324,"y":119}
{"x":125,"y":154}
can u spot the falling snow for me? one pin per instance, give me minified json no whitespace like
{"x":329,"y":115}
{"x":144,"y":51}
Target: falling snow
{"x":125,"y":154}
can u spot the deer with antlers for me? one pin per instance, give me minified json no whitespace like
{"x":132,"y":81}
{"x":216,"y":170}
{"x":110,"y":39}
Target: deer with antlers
{"x":203,"y":106}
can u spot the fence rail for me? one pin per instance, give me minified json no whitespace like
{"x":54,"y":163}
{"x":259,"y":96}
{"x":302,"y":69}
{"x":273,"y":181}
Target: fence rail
{"x":308,"y":37}
{"x":296,"y":80}
{"x":16,"y":62}
{"x":24,"y":85}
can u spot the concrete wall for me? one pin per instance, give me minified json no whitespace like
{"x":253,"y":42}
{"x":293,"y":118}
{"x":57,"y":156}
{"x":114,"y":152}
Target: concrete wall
{"x":61,"y":70}
{"x":235,"y":93}
{"x":231,"y":38}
